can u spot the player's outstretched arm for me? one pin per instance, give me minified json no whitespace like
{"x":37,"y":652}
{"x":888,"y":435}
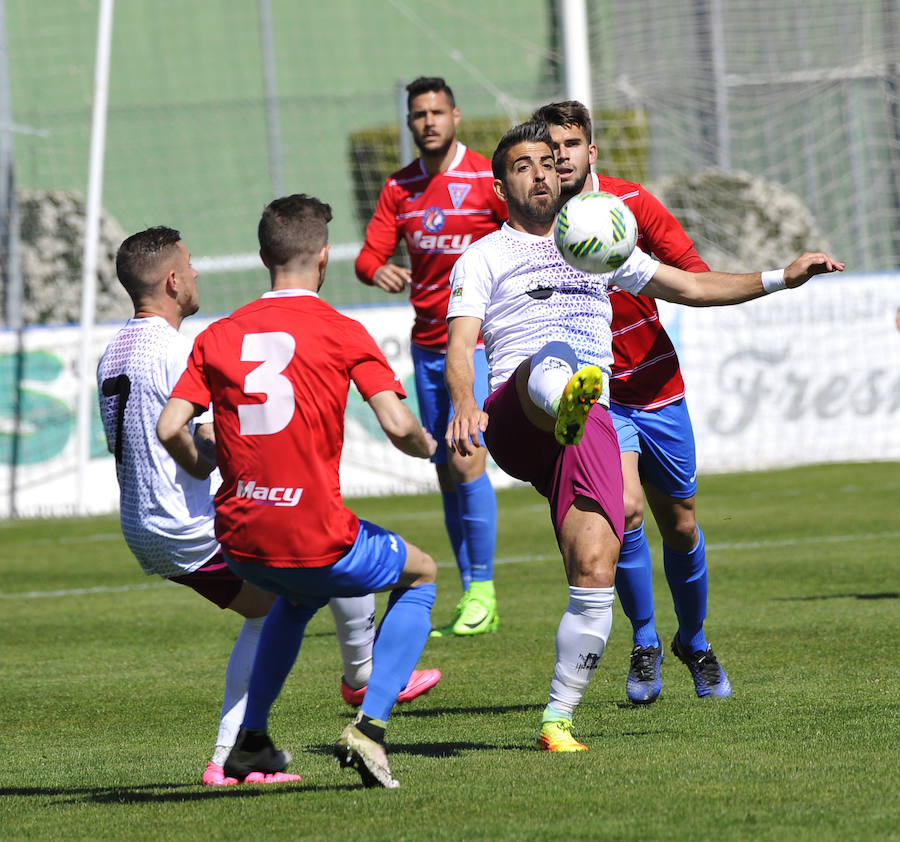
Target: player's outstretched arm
{"x":468,"y":421}
{"x":401,"y":426}
{"x":173,"y":432}
{"x":706,"y":289}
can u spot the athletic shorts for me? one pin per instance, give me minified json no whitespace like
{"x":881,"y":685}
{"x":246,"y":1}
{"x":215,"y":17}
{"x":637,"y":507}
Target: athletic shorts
{"x":592,"y":468}
{"x":373,"y":563}
{"x":435,"y":406}
{"x":213,"y":581}
{"x":664,"y":440}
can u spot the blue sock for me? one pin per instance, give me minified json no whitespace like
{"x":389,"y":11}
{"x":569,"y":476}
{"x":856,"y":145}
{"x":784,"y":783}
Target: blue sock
{"x":399,"y":645}
{"x":478,"y":512}
{"x":634,"y":585}
{"x":455,"y":532}
{"x":689,"y":583}
{"x":279,"y":643}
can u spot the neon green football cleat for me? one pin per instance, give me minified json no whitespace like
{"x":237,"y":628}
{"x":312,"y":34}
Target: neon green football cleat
{"x":479,"y":611}
{"x":582,"y":391}
{"x":556,"y":735}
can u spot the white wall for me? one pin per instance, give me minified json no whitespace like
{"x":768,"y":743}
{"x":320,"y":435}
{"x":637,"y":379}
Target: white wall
{"x":803,"y":376}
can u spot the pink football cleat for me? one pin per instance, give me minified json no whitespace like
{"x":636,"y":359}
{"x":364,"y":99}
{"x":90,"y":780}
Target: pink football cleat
{"x":273,"y":778}
{"x":215,"y":776}
{"x":420,"y":682}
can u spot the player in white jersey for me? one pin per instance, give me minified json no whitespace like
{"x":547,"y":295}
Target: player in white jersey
{"x":547,"y":337}
{"x":167,"y":515}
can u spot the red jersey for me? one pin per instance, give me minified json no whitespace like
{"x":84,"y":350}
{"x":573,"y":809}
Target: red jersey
{"x":277,"y":372}
{"x":645,"y":372}
{"x":438,"y":216}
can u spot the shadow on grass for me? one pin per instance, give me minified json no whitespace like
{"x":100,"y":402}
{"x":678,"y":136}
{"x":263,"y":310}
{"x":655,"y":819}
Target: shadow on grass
{"x":885,"y":595}
{"x":447,"y":749}
{"x":167,"y":792}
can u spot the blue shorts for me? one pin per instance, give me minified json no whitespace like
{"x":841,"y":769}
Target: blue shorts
{"x":434,"y":399}
{"x":664,"y":440}
{"x":373,"y":563}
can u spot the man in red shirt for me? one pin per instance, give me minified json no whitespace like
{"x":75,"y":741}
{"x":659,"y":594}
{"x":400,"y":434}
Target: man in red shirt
{"x":438,"y":205}
{"x":654,"y":429}
{"x":277,"y":372}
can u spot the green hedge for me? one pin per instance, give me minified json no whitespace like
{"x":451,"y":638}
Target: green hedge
{"x":622,"y":139}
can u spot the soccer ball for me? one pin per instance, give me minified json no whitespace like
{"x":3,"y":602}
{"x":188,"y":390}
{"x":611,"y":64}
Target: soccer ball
{"x":595,"y":232}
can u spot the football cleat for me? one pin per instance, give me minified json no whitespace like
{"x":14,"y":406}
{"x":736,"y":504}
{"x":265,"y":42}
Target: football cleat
{"x":274,"y":778}
{"x":369,"y":757}
{"x":265,"y":758}
{"x":478,"y":614}
{"x":644,"y":681}
{"x":710,"y":680}
{"x":420,"y":682}
{"x":582,"y":391}
{"x":215,"y":776}
{"x":556,"y":735}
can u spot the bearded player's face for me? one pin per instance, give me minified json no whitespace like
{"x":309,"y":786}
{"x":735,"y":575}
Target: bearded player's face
{"x":432,"y":121}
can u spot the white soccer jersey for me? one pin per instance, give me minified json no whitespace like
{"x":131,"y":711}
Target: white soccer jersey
{"x":167,"y":515}
{"x":526,"y":296}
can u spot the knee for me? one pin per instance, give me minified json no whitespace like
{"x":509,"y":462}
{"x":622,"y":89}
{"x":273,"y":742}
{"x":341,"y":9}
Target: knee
{"x":680,"y":535}
{"x":593,"y":569}
{"x":634,"y":510}
{"x":427,"y":571}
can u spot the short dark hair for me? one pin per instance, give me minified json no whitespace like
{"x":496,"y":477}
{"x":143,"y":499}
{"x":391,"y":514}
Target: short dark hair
{"x":532,"y":131}
{"x":291,"y":227}
{"x":568,"y":113}
{"x":138,"y":259}
{"x":426,"y":84}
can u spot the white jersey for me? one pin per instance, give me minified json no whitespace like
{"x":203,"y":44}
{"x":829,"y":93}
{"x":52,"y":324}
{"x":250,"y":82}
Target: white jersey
{"x":167,"y":515}
{"x":526,"y":296}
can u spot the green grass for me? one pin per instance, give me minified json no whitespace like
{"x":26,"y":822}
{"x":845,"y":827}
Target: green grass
{"x":110,"y":696}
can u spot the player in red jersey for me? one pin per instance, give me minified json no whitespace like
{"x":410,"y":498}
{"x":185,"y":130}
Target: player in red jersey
{"x":277,"y":372}
{"x":439,"y":204}
{"x":654,"y":429}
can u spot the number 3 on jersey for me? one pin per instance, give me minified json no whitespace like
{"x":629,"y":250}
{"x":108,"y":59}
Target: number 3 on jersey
{"x":274,"y":351}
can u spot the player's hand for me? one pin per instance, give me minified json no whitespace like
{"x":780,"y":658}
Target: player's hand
{"x":392,"y":278}
{"x":430,"y":442}
{"x":465,"y":429}
{"x":807,"y":265}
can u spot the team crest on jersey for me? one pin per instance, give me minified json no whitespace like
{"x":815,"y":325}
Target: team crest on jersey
{"x":433,"y":220}
{"x":458,"y":193}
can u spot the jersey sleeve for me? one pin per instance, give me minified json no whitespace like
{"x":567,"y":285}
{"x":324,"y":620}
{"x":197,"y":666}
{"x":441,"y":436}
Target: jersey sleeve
{"x":635,"y":273}
{"x":177,"y":353}
{"x":192,"y":385}
{"x":370,"y":372}
{"x":663,"y":235}
{"x":382,"y":235}
{"x":470,"y":285}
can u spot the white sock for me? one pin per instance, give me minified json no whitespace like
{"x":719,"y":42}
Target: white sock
{"x":551,"y":369}
{"x":580,"y":641}
{"x":354,"y":625}
{"x":237,"y":679}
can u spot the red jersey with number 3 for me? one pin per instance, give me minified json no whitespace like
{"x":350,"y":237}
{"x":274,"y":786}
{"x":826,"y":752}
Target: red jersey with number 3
{"x":437,"y":216}
{"x":277,"y":372}
{"x":645,"y":372}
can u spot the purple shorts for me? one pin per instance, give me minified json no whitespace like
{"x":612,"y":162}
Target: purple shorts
{"x":214,"y":581}
{"x":592,"y":468}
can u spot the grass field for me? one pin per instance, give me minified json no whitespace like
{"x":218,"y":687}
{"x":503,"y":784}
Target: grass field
{"x":111,"y":683}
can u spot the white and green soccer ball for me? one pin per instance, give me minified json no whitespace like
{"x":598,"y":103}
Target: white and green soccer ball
{"x":595,"y":232}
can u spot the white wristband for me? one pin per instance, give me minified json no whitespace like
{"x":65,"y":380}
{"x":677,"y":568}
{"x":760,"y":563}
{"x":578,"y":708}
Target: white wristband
{"x":773,"y":280}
